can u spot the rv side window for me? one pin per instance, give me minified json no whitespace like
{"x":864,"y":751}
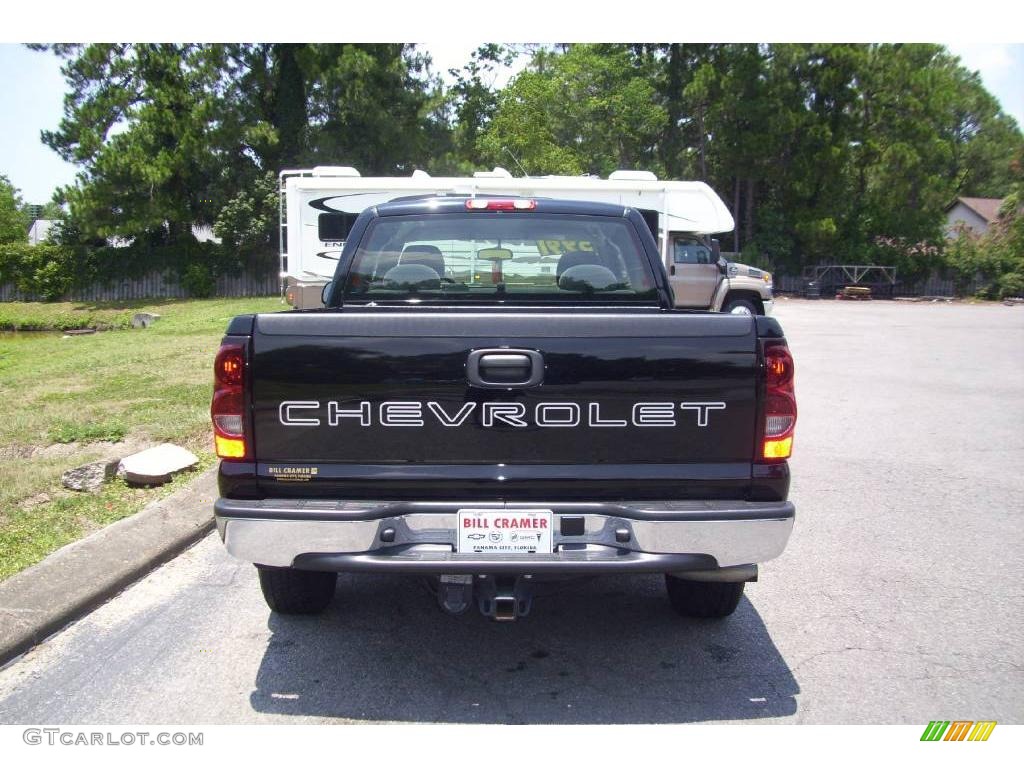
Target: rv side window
{"x":335,"y":226}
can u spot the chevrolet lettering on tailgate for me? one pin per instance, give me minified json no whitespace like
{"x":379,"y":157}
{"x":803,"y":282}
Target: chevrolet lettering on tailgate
{"x":310,"y":413}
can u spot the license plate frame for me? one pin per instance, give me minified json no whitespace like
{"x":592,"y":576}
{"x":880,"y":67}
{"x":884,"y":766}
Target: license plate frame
{"x":504,"y":531}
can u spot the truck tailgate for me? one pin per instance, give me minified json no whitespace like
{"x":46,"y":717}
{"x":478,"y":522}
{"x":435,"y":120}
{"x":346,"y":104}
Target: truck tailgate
{"x":627,"y":397}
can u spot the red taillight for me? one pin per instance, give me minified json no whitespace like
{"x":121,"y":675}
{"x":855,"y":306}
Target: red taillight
{"x":489,"y":204}
{"x":779,"y":403}
{"x":230,"y":365}
{"x":228,"y":407}
{"x":778,"y":365}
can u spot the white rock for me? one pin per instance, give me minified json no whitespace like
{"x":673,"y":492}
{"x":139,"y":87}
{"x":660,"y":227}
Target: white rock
{"x":155,"y":466}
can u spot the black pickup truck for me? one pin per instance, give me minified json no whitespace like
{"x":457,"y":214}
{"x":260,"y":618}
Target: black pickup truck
{"x":497,"y":392}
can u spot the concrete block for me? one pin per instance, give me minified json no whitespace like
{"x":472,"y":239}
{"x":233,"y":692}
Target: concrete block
{"x":144,"y":319}
{"x":155,"y":466}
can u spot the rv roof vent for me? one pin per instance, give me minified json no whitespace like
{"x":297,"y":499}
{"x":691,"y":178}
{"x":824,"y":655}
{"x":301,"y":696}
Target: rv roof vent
{"x":632,"y":176}
{"x":335,"y":170}
{"x":497,"y":173}
{"x":418,"y":174}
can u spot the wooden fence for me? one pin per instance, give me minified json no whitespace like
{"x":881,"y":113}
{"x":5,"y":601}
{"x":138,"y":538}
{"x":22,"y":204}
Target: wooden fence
{"x":161,"y":285}
{"x":935,"y":285}
{"x":165,"y":285}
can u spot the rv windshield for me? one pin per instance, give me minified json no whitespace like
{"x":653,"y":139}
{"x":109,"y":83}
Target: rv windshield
{"x":507,"y":257}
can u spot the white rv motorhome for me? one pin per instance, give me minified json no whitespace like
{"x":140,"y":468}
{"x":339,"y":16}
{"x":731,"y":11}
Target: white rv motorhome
{"x":318,"y":207}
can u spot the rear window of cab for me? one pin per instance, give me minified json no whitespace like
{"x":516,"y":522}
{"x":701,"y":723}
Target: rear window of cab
{"x":507,"y":257}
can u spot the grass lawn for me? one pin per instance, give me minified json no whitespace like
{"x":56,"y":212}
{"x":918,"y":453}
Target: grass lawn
{"x":65,"y":401}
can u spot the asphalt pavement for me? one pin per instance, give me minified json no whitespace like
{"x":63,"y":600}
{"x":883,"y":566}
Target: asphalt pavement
{"x":898,"y":600}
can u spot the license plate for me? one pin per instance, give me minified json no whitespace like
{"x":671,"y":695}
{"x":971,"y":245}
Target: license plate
{"x":505,"y":532}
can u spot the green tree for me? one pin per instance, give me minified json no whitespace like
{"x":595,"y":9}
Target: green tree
{"x":368,"y":107}
{"x":140,"y":121}
{"x":13,"y":222}
{"x":467,"y":108}
{"x":591,"y":109}
{"x":911,"y":114}
{"x":851,"y":152}
{"x":748,"y":130}
{"x":168,"y":136}
{"x":247,"y":221}
{"x":687,"y":87}
{"x":984,"y":142}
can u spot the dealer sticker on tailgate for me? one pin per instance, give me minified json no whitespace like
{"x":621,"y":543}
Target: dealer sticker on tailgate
{"x":505,"y":531}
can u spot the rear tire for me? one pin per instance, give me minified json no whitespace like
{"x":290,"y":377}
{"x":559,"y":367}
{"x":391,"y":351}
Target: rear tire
{"x":703,"y":599}
{"x":292,"y":591}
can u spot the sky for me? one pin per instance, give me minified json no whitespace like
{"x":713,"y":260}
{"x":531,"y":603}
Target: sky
{"x":32,"y":90}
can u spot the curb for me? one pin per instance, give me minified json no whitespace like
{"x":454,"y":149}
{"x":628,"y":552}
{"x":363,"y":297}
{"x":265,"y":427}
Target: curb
{"x":43,"y":599}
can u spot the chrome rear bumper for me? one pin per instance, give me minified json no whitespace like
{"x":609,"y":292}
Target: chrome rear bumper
{"x":420,"y":537}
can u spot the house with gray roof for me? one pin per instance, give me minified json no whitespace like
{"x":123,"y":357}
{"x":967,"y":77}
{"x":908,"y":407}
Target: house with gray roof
{"x":976,"y":213}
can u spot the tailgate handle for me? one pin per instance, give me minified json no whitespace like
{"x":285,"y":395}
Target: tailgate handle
{"x":504,"y":368}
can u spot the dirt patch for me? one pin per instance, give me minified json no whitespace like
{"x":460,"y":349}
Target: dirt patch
{"x":57,"y":450}
{"x":16,"y":451}
{"x":86,"y":526}
{"x":35,"y":501}
{"x":102,"y":449}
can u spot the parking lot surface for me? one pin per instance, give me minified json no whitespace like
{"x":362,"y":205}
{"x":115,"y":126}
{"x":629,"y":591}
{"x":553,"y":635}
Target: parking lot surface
{"x":898,"y":600}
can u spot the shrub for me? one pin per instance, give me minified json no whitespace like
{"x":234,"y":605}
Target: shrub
{"x":45,"y":270}
{"x":1010,"y":284}
{"x":914,"y":261}
{"x":198,"y":280}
